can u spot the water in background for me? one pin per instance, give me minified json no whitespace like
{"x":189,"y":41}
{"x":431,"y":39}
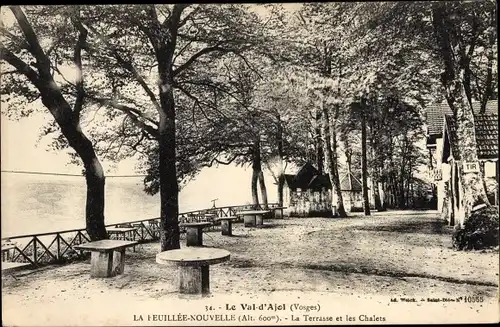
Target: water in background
{"x":45,"y":203}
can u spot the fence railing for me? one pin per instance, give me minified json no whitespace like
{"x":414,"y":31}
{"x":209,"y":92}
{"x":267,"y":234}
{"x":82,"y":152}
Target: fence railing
{"x":57,"y":247}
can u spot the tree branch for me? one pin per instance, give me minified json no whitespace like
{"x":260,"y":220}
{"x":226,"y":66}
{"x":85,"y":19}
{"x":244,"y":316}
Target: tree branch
{"x":19,"y":42}
{"x":127,"y":64}
{"x":197,"y":55}
{"x":188,"y":16}
{"x":133,"y":113}
{"x":77,"y":60}
{"x":20,"y":65}
{"x":42,"y":62}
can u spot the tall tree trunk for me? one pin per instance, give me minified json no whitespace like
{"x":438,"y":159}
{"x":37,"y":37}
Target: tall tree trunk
{"x":263,"y":190}
{"x":453,"y":81}
{"x":376,"y":192}
{"x":256,"y":169}
{"x":364,"y":168}
{"x":281,"y":177}
{"x":330,"y":146}
{"x":169,"y":189}
{"x":347,"y":151}
{"x":320,"y":155}
{"x":94,"y":173}
{"x":491,"y":37}
{"x":281,"y":184}
{"x":383,"y":196}
{"x":164,"y":40}
{"x":94,"y":207}
{"x":401,"y":201}
{"x":374,"y":169}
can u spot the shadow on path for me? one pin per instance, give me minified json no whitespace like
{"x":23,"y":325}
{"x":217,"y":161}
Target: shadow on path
{"x":348,"y":269}
{"x":423,"y":226}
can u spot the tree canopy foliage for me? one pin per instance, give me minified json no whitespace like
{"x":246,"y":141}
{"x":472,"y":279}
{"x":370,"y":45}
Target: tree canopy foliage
{"x":185,"y":86}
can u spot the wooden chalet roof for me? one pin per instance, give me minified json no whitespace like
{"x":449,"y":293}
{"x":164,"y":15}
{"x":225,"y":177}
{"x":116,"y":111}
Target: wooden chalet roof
{"x":348,"y":182}
{"x":436,"y":111}
{"x":308,"y":177}
{"x":486,"y":130}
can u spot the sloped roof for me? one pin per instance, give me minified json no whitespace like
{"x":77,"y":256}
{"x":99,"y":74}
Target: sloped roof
{"x":320,"y":181}
{"x":348,"y":182}
{"x":307,"y":177}
{"x":486,"y":130}
{"x":289,"y":180}
{"x":436,"y":111}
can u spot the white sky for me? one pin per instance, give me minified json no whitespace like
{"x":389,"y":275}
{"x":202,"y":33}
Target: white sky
{"x":21,"y":150}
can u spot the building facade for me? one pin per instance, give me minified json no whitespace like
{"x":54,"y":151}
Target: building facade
{"x":445,"y":165}
{"x":309,"y":193}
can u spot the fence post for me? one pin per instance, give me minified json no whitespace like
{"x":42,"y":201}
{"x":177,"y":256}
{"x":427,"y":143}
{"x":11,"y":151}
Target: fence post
{"x":35,"y":254}
{"x":58,"y":239}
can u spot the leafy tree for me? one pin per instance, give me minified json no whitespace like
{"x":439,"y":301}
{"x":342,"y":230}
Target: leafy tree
{"x":456,"y":36}
{"x":179,"y":41}
{"x":321,"y":51}
{"x":32,"y":48}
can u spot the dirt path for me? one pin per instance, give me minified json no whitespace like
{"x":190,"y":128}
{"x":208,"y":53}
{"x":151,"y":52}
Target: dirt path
{"x":396,"y":254}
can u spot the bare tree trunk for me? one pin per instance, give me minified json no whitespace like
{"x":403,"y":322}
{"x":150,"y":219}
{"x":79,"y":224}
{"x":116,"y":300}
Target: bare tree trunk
{"x":169,"y":189}
{"x":256,"y":170}
{"x":281,"y":177}
{"x":401,"y":201}
{"x":488,"y":91}
{"x":347,"y":151}
{"x":281,"y":184}
{"x":263,"y":190}
{"x":320,"y":154}
{"x":364,"y":168}
{"x":383,"y":195}
{"x":374,"y":174}
{"x":94,"y":175}
{"x":330,"y":146}
{"x":94,"y":207}
{"x":165,"y":43}
{"x":376,"y":193}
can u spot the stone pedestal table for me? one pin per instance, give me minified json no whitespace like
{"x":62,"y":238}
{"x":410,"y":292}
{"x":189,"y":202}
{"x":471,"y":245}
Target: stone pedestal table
{"x":193,"y":263}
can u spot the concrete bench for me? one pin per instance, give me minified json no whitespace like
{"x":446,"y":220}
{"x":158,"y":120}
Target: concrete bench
{"x":194,"y":232}
{"x":226,"y":224}
{"x":124,"y":233}
{"x":210,"y":216}
{"x":6,"y":249}
{"x":8,"y":267}
{"x":107,"y":256}
{"x":193,"y":263}
{"x":280,"y":210}
{"x":253,"y":218}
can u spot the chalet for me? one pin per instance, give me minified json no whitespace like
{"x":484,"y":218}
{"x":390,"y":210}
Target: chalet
{"x":486,"y":131}
{"x":308,"y":193}
{"x":435,"y":122}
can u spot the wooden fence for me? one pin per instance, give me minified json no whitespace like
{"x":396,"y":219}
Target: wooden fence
{"x":58,"y":247}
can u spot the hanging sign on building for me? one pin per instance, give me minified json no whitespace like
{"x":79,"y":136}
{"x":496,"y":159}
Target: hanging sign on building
{"x":438,"y":174}
{"x":471,"y":167}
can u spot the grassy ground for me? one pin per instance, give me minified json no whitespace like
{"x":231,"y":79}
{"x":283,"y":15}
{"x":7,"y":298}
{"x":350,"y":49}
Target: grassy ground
{"x":346,"y":266}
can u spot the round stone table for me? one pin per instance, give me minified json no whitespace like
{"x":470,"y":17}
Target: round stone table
{"x":193,"y":263}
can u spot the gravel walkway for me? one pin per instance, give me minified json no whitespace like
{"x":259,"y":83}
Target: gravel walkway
{"x":348,"y":266}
